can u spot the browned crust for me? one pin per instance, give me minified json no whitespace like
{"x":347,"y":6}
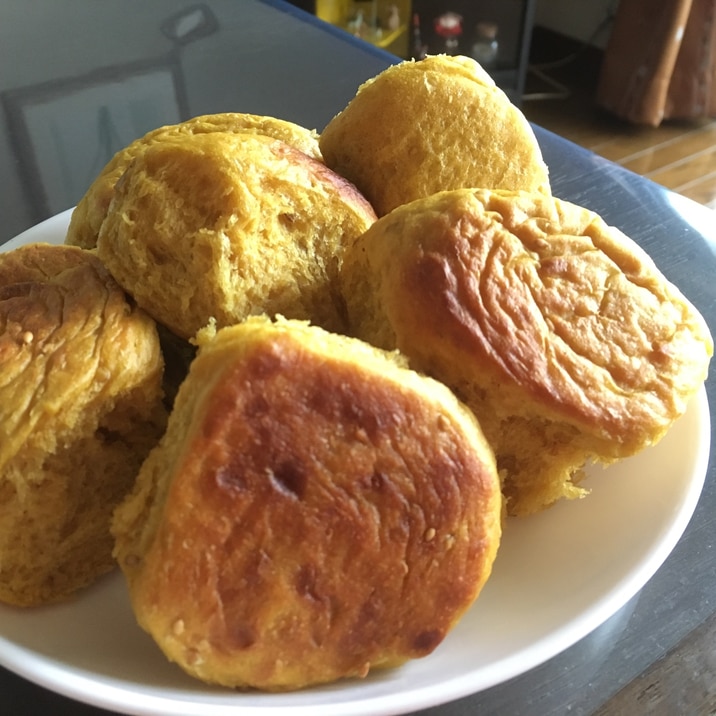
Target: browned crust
{"x":533,"y":308}
{"x":339,"y":520}
{"x":80,"y":407}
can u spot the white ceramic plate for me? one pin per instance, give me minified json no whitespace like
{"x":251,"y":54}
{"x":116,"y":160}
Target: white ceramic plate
{"x":558,"y":576}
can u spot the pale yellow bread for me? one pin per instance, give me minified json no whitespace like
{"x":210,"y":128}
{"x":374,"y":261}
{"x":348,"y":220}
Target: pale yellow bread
{"x":222,"y":226}
{"x":90,"y":211}
{"x":315,"y":510}
{"x":555,"y":328}
{"x":80,"y":407}
{"x":436,"y":124}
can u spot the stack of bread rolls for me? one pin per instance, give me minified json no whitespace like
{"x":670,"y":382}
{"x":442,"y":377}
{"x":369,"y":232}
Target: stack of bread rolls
{"x":389,"y":336}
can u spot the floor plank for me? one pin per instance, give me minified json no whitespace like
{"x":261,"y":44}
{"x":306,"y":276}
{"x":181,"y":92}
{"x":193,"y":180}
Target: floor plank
{"x":702,"y":190}
{"x":633,"y":142}
{"x":686,"y":170}
{"x":695,"y":145}
{"x":678,"y":155}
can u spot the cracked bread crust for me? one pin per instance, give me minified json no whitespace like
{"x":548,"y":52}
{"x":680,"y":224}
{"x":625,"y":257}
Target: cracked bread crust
{"x":80,"y":407}
{"x":314,"y":511}
{"x":225,"y":226}
{"x":556,"y":329}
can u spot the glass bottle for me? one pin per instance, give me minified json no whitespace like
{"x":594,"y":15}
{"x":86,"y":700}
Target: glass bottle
{"x":449,"y":27}
{"x":419,"y":50}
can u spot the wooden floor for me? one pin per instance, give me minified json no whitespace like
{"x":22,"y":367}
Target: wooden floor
{"x":677,"y":155}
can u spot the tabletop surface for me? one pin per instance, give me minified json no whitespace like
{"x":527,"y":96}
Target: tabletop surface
{"x":57,"y":59}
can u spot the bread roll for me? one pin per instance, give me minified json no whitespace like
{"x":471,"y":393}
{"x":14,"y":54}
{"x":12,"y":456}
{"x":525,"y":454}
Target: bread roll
{"x":557,"y":330}
{"x":91,"y":209}
{"x":80,"y":407}
{"x":422,"y":127}
{"x":315,"y":510}
{"x":225,"y":226}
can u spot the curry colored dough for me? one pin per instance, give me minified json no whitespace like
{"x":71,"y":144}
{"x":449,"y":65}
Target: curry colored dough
{"x":80,"y":407}
{"x":555,"y":328}
{"x":225,"y":225}
{"x":422,"y":127}
{"x":90,"y":211}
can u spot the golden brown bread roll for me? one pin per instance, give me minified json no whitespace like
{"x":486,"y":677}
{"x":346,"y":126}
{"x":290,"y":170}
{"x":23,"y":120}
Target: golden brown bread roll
{"x":90,"y":211}
{"x":556,"y":329}
{"x":314,"y":510}
{"x":229,"y":225}
{"x":80,"y":407}
{"x":437,"y":124}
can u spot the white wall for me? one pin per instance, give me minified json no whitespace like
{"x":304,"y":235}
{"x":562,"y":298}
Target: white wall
{"x":578,"y":19}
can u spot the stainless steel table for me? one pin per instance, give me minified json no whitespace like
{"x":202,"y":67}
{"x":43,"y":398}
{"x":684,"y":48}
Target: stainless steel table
{"x":269,"y":58}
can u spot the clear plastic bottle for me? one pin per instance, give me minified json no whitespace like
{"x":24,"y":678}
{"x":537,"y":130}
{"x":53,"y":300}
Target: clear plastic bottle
{"x":485,"y":46}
